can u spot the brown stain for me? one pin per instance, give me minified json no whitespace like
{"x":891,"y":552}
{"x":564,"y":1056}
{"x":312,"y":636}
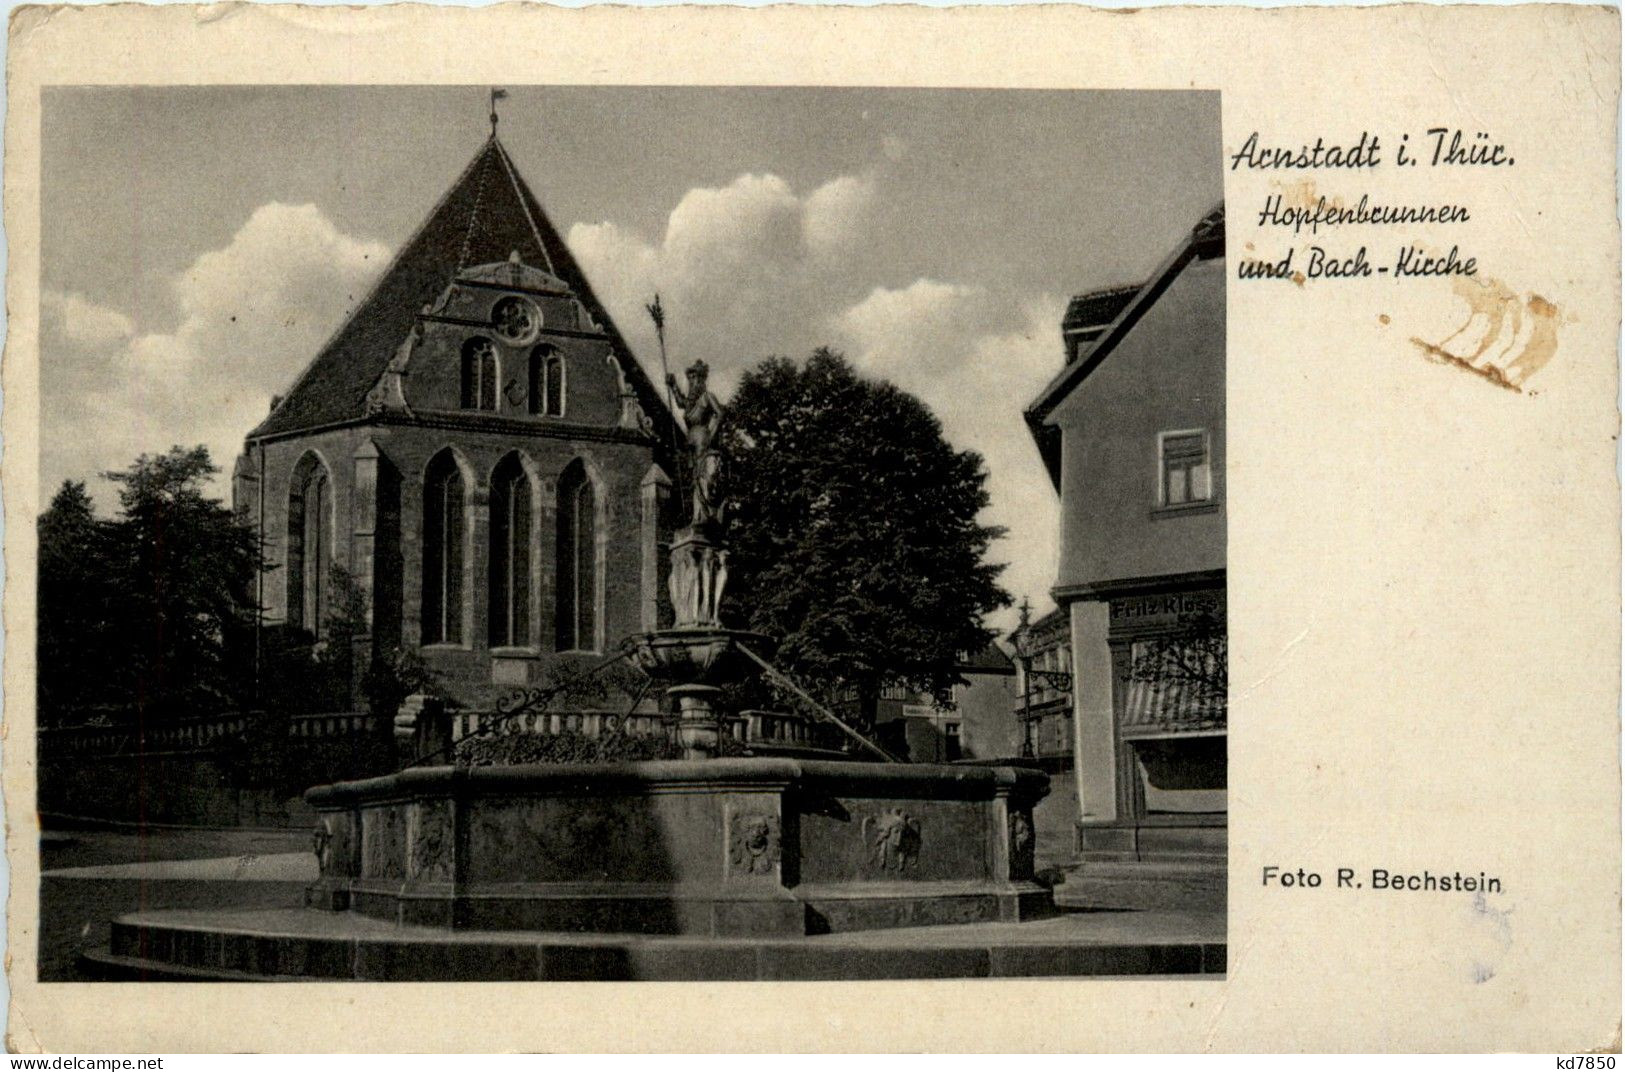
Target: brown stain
{"x":1304,"y":194}
{"x":1504,"y":312}
{"x":1297,"y":277}
{"x":1382,"y":318}
{"x":1542,"y":344}
{"x":1489,"y":372}
{"x":1491,"y":299}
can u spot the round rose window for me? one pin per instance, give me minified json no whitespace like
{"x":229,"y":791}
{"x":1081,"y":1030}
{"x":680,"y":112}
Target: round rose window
{"x":516,"y":320}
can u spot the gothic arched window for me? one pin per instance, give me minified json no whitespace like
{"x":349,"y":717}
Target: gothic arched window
{"x":537,"y":397}
{"x":576,"y":618}
{"x":310,"y":544}
{"x":479,"y":374}
{"x":554,"y":376}
{"x":546,"y":382}
{"x":510,"y":555}
{"x":443,"y":534}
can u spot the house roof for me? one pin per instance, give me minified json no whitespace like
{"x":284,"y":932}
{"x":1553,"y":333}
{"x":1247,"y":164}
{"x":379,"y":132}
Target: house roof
{"x":487,"y":216}
{"x":990,"y":659}
{"x":1204,"y":241}
{"x":1099,"y":307}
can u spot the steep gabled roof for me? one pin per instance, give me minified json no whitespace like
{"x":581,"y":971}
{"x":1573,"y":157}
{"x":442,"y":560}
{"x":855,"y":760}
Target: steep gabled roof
{"x":1204,"y":241}
{"x":1099,"y":307}
{"x":488,"y":214}
{"x":990,"y":660}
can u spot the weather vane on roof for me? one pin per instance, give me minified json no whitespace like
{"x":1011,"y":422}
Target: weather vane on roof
{"x":496,"y":95}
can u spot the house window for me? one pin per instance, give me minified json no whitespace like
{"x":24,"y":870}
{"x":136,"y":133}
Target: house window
{"x":510,"y":555}
{"x":577,"y":548}
{"x":950,"y":741}
{"x":479,"y":374}
{"x":443,"y":532}
{"x":1187,"y":472}
{"x":310,"y":545}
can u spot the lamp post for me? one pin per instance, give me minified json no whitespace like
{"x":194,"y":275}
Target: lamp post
{"x":1059,"y":680}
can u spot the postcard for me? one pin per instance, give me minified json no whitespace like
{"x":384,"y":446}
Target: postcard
{"x":972,"y":529}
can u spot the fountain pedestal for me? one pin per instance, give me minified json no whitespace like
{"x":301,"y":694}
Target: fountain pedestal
{"x":746,"y":846}
{"x":696,"y":657}
{"x":699,"y":719}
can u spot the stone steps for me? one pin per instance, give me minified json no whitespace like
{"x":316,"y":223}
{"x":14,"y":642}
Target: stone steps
{"x":309,"y":946}
{"x":1191,"y":883}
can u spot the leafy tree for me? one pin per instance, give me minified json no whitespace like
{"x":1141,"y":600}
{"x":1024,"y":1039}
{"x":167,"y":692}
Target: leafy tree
{"x":854,"y":533}
{"x":185,"y":567}
{"x":76,"y":591}
{"x":302,"y":672}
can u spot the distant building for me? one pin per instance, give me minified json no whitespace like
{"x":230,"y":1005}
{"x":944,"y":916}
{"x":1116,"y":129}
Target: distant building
{"x":1044,"y":690}
{"x":476,"y":450}
{"x":978,"y":724}
{"x":1132,"y":431}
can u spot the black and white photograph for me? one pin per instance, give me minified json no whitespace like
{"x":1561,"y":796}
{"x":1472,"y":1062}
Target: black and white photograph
{"x":535,"y":533}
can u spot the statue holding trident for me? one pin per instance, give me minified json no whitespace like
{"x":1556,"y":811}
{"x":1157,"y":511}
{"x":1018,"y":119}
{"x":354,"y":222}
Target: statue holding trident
{"x":702,"y":416}
{"x":699,"y":557}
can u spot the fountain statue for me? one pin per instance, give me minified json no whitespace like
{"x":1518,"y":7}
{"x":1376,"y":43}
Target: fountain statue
{"x":699,"y":557}
{"x":696,"y":657}
{"x":702,"y":418}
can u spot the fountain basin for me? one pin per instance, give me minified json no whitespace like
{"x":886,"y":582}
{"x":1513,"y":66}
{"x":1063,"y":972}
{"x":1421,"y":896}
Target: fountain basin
{"x":719,"y":847}
{"x":697,"y":655}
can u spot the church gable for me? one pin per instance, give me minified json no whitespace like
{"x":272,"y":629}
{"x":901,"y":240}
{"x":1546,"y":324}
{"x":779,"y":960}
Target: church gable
{"x":486,"y":228}
{"x":509,"y":340}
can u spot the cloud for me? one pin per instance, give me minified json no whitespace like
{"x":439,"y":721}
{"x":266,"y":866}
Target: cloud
{"x":82,"y":322}
{"x":744,"y":270}
{"x":252,"y":313}
{"x":976,"y":359}
{"x":919,"y":332}
{"x":714,"y":233}
{"x":255,"y":311}
{"x":837,"y":213}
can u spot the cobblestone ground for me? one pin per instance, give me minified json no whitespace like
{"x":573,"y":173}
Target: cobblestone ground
{"x":75,"y":909}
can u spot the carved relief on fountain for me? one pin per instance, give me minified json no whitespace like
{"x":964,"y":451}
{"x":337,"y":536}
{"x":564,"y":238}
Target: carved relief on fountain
{"x":893,"y":839}
{"x":754,"y":845}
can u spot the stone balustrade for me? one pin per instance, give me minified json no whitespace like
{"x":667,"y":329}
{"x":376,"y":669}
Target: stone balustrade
{"x":192,"y":734}
{"x":586,"y":723}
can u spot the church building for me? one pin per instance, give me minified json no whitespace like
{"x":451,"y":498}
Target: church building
{"x":478,"y":453}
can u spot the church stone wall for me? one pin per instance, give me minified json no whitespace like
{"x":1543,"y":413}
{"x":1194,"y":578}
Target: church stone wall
{"x":377,"y":475}
{"x":615,"y":469}
{"x":335,"y":450}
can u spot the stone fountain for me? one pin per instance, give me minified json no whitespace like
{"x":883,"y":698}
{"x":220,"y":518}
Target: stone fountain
{"x":700,"y":845}
{"x":721,"y":847}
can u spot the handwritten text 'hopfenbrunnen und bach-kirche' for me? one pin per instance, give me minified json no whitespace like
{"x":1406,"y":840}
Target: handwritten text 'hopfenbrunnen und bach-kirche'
{"x":1305,"y":213}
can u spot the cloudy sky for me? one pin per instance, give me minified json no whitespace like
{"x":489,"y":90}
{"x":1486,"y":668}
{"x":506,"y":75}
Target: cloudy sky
{"x":199,"y":244}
